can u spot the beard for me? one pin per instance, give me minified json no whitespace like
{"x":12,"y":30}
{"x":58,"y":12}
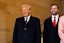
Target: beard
{"x":54,"y":13}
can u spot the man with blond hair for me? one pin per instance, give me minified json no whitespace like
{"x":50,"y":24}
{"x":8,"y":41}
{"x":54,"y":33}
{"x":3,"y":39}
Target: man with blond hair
{"x":27,"y":28}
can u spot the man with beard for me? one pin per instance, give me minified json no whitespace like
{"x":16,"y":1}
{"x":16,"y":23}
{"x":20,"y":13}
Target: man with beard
{"x":50,"y":34}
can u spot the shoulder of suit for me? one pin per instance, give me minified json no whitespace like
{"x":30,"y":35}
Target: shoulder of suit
{"x":47,"y":19}
{"x":35,"y":18}
{"x":19,"y":18}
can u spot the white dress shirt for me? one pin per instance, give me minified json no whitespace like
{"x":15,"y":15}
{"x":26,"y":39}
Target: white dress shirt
{"x":57,"y":16}
{"x":28,"y":18}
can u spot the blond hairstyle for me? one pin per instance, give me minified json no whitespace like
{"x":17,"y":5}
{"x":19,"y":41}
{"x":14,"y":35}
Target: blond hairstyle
{"x":26,"y":5}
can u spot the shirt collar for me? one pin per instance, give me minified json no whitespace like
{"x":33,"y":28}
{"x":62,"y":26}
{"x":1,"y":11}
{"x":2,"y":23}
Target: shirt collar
{"x":55,"y":16}
{"x":27,"y":17}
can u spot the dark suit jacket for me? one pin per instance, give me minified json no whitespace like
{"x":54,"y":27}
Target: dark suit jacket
{"x":27,"y":33}
{"x":50,"y":34}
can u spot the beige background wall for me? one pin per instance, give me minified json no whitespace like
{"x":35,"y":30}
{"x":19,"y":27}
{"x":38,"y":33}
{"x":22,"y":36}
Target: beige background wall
{"x":62,"y":7}
{"x":11,"y":9}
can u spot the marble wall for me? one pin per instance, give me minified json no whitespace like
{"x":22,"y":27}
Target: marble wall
{"x":11,"y":9}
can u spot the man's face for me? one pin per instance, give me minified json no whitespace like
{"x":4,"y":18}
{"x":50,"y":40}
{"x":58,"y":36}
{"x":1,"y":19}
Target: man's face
{"x":54,"y":10}
{"x":25,"y":11}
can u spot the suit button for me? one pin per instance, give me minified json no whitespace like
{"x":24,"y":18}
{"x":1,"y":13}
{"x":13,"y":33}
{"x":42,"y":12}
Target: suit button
{"x":25,"y":28}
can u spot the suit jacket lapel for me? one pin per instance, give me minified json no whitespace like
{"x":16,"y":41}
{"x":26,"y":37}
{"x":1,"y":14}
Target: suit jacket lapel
{"x":23,"y":21}
{"x":57,"y":22}
{"x":51,"y":22}
{"x":30,"y":20}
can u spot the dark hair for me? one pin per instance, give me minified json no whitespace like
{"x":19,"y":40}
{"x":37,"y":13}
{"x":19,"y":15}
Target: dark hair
{"x":55,"y":4}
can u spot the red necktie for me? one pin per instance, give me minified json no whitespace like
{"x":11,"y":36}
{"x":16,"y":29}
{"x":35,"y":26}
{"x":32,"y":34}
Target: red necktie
{"x":54,"y":22}
{"x":26,"y":20}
